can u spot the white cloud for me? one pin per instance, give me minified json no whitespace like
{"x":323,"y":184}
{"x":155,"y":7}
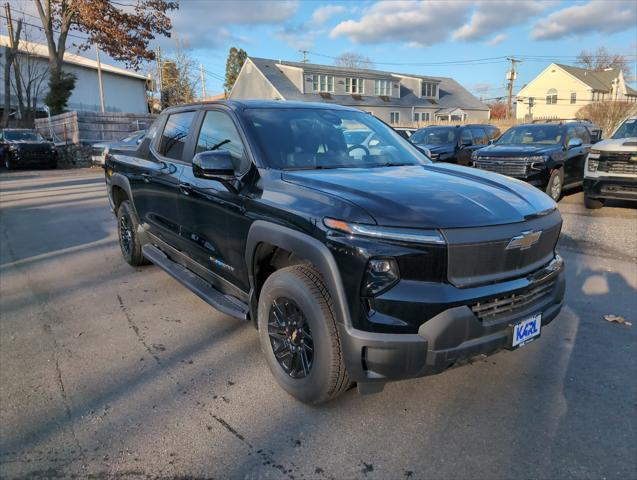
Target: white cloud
{"x":498,"y":39}
{"x":595,"y":16}
{"x":408,"y":21}
{"x":322,"y":14}
{"x":208,"y":24}
{"x":491,"y":16}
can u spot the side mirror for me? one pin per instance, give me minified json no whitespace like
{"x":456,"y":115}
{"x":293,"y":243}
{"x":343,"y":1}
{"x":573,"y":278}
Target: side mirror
{"x":374,"y":142}
{"x":492,"y":141}
{"x":574,"y":142}
{"x":213,"y":165}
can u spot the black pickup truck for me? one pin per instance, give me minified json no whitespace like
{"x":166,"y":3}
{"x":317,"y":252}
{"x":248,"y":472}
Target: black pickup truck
{"x":353,"y":266}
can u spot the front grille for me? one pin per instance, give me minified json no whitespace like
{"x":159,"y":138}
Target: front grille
{"x":34,"y":155}
{"x":510,"y":304}
{"x":479,"y":256}
{"x":614,"y":166}
{"x":511,"y":166}
{"x":615,"y":156}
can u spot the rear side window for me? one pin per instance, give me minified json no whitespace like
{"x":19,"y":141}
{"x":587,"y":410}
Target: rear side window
{"x":479,"y":136}
{"x":175,"y":134}
{"x":218,"y":132}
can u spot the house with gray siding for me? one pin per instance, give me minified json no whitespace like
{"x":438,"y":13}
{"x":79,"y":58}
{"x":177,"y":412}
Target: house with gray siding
{"x":396,"y":98}
{"x":124,"y":90}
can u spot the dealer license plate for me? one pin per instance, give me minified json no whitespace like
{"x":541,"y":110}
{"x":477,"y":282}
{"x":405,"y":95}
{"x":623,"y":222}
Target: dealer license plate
{"x":527,"y":330}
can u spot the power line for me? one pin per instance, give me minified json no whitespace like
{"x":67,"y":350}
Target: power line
{"x":40,"y":27}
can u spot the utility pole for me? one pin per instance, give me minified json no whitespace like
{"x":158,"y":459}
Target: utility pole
{"x":304,"y":52}
{"x":7,"y":10}
{"x":99,"y":76}
{"x":511,"y":76}
{"x":203,"y":82}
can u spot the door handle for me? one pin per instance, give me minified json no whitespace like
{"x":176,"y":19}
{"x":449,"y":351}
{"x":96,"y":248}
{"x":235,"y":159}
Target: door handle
{"x":185,"y":188}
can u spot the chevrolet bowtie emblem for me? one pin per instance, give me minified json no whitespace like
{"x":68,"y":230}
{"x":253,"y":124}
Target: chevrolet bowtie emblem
{"x":524,"y":240}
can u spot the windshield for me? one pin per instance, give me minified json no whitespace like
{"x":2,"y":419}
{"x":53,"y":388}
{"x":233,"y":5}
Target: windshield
{"x":23,"y":136}
{"x":310,"y":138}
{"x":627,"y":130}
{"x":434,"y":136}
{"x":532,"y":134}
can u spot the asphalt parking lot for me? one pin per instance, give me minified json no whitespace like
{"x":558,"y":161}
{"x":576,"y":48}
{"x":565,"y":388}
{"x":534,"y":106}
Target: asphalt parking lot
{"x":107,"y":371}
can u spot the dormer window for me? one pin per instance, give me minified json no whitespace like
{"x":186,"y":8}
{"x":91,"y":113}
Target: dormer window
{"x":383,"y":88}
{"x":323,"y":83}
{"x":429,"y":89}
{"x":354,"y":86}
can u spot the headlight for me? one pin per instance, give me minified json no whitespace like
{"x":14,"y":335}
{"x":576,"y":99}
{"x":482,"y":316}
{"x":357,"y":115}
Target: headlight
{"x":592,"y":164}
{"x":474,"y":155}
{"x":537,"y":158}
{"x":13,"y":147}
{"x":380,"y":275}
{"x":409,"y":235}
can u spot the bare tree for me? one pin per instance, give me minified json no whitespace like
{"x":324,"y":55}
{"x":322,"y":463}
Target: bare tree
{"x":180,"y":79}
{"x":601,"y":59}
{"x":353,"y":60}
{"x":30,"y":76}
{"x":608,"y":115}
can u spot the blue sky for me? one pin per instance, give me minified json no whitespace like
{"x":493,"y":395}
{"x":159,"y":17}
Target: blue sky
{"x":429,"y":37}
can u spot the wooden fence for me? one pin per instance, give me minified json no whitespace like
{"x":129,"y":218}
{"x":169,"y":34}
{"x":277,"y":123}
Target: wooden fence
{"x":85,"y":127}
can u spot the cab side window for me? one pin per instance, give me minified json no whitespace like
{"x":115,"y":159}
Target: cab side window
{"x":582,"y":133}
{"x":218,"y":132}
{"x":479,"y":136}
{"x":173,"y":138}
{"x":465,"y":137}
{"x":570,"y":133}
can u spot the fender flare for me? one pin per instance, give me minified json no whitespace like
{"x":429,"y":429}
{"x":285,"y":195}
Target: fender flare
{"x":121,"y":181}
{"x":306,"y":247}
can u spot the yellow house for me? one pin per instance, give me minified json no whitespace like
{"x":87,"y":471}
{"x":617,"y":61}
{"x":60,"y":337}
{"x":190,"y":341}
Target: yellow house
{"x":561,"y":90}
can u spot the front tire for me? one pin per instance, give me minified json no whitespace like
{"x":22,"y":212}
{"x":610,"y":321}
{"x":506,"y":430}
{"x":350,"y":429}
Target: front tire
{"x":555,"y":184}
{"x":299,"y":337}
{"x":592,"y":203}
{"x":129,"y":242}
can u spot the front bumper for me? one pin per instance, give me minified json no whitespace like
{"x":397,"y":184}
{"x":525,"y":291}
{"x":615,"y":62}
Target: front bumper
{"x":452,"y":337}
{"x":616,"y":188}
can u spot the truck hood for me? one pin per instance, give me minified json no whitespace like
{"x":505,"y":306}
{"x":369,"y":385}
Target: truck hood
{"x":433,"y":148}
{"x":429,"y":196}
{"x":517,"y":150}
{"x":617,"y":145}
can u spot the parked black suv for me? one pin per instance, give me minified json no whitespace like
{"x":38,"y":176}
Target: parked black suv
{"x":26,"y":148}
{"x":549,"y":156}
{"x":354,"y":267}
{"x":454,"y":144}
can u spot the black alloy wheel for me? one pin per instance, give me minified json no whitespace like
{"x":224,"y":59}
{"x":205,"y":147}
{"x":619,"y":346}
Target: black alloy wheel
{"x":125,"y":235}
{"x":290,"y":338}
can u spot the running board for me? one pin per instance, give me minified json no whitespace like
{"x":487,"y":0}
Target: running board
{"x":225,"y":304}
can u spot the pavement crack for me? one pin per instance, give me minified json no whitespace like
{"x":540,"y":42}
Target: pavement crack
{"x":227,"y":426}
{"x":135,"y":329}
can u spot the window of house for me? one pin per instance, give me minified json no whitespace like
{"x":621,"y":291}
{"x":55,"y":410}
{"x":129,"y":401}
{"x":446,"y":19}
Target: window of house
{"x":416,"y":117}
{"x":573,"y":97}
{"x":531,"y":101}
{"x":394,"y":118}
{"x":429,"y":89}
{"x":551,"y":97}
{"x":218,"y":132}
{"x":354,"y":85}
{"x":425,"y":116}
{"x":382,"y":87}
{"x":323,"y":83}
{"x":173,"y":138}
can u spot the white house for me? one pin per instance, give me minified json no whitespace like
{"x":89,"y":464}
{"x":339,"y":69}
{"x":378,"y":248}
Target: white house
{"x":124,"y":90}
{"x":396,"y":98}
{"x":559,"y":91}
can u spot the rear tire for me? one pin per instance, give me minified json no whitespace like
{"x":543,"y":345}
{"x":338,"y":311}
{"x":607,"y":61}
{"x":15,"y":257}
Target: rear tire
{"x":592,"y":203}
{"x":295,"y":304}
{"x":129,"y":243}
{"x":555,"y":184}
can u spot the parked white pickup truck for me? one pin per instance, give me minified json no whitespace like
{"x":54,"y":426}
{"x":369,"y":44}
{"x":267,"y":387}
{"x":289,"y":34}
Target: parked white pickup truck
{"x":611,"y":167}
